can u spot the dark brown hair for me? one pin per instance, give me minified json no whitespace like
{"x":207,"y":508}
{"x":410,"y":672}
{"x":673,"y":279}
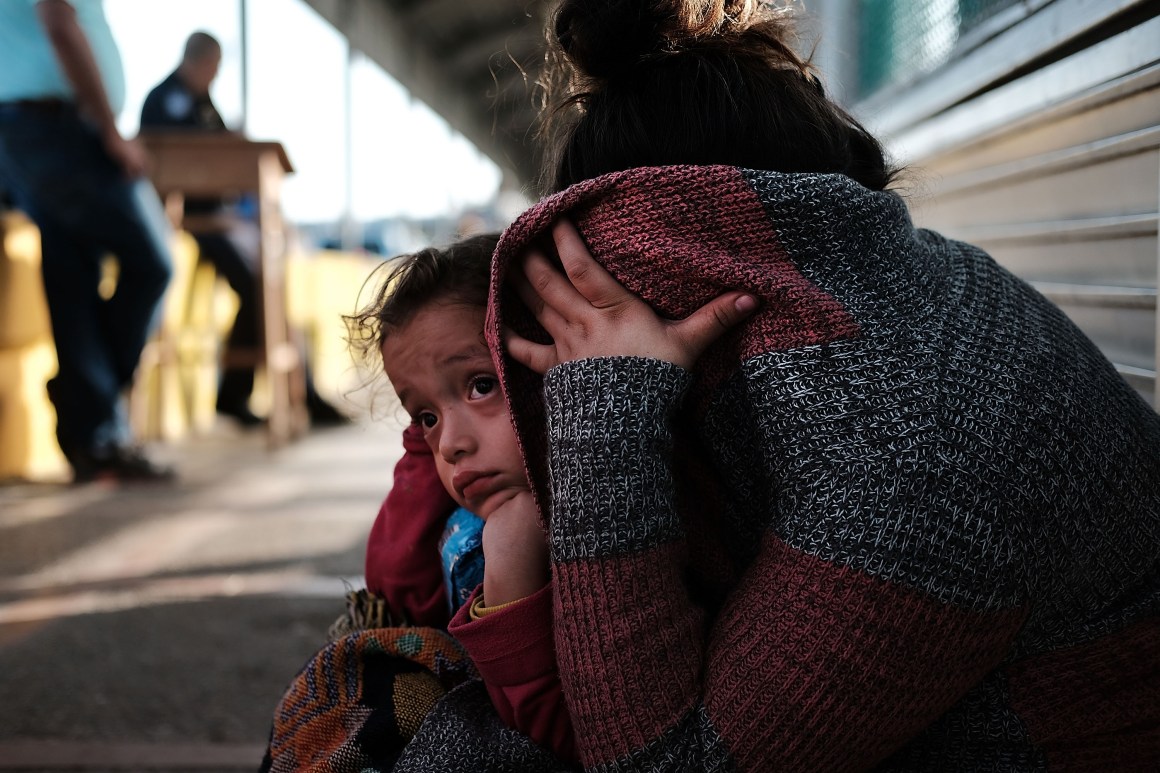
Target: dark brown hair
{"x":634,"y":83}
{"x":460,"y":272}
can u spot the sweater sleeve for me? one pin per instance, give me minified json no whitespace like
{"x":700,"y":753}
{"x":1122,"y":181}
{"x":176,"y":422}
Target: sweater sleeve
{"x":513,"y":651}
{"x":809,"y":665}
{"x":402,"y":560}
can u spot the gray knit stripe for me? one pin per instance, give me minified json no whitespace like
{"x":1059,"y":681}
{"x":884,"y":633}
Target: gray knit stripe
{"x":610,"y":448}
{"x":865,"y":252}
{"x":692,"y":745}
{"x":820,"y":425}
{"x":1009,"y":462}
{"x":938,"y":450}
{"x":463,"y":733}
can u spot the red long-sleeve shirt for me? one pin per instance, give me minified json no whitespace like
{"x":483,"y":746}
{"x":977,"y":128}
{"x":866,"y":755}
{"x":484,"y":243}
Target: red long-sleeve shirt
{"x":513,"y":650}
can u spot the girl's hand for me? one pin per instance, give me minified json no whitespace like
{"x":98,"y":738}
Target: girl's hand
{"x":515,"y":552}
{"x":589,"y":314}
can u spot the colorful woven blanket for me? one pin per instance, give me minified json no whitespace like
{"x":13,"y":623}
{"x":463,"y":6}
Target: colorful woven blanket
{"x":361,"y":699}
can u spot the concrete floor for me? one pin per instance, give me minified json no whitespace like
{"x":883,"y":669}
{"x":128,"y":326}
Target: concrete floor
{"x":155,"y":627}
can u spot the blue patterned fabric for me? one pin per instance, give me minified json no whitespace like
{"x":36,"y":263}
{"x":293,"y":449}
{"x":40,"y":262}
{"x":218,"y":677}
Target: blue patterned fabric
{"x":461,"y":549}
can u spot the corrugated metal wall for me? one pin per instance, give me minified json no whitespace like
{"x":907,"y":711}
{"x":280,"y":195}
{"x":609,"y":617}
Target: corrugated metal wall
{"x":1054,"y":167}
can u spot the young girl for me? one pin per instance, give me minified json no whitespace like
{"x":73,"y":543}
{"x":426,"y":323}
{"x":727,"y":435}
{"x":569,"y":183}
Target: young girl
{"x":377,"y":697}
{"x":427,"y":321}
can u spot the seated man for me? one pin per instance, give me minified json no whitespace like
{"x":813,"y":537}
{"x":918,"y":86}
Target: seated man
{"x":182,"y":102}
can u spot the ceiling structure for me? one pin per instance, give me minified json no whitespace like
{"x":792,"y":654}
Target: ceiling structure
{"x":475,"y":62}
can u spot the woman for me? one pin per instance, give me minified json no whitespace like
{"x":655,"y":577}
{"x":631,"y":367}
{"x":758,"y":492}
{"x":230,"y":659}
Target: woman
{"x":906,"y":516}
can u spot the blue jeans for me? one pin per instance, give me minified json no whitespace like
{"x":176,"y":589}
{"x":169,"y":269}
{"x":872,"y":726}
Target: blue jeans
{"x":57,"y":170}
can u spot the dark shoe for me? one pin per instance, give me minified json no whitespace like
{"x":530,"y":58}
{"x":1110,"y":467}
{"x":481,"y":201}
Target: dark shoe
{"x":120,"y":463}
{"x":323,"y":414}
{"x":241,"y":414}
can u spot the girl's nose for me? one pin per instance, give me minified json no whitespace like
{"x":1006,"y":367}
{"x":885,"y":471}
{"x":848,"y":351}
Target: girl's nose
{"x":457,"y":438}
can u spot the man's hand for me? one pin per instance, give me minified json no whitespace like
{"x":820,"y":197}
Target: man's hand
{"x":515,"y":552}
{"x":128,"y":154}
{"x":75,"y":56}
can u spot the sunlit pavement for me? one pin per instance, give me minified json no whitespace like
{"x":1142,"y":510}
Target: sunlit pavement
{"x":155,"y":627}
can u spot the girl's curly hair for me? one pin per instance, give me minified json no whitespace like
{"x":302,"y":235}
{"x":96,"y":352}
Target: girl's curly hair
{"x":461,"y":272}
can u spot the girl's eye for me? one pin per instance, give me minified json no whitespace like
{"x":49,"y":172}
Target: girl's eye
{"x":482,"y":386}
{"x":427,"y":420}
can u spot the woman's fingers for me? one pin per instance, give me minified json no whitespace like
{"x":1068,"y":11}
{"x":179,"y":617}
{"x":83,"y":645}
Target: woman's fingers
{"x":584,"y":285}
{"x":538,"y":357}
{"x":547,"y":316}
{"x":586,"y":275}
{"x":588,"y":313}
{"x":552,"y":288}
{"x":708,"y":323}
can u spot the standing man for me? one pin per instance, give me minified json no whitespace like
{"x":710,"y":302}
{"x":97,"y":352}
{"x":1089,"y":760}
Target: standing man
{"x":182,"y":102}
{"x":67,"y":166}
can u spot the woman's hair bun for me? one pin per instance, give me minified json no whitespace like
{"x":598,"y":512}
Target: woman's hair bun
{"x":605,"y":37}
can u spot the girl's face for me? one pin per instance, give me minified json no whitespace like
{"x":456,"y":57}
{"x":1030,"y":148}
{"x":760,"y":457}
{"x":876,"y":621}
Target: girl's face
{"x":444,"y":377}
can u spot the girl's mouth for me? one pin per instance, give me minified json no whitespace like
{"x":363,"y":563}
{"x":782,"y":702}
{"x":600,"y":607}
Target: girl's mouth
{"x":472,"y":484}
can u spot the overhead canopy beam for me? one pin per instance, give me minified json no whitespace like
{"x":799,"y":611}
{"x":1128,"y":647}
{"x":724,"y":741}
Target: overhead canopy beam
{"x":403,"y":42}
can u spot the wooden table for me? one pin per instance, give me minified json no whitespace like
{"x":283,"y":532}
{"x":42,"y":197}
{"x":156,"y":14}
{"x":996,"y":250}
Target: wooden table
{"x":189,"y":165}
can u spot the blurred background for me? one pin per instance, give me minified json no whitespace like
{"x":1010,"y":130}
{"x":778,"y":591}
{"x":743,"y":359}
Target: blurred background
{"x":154,"y":628}
{"x":364,"y":147}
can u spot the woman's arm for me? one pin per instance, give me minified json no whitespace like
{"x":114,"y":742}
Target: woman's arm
{"x":810,"y":665}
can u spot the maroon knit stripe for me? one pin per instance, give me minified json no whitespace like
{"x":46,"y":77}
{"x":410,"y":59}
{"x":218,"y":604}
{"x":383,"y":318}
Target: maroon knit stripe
{"x":660,"y":232}
{"x":1073,"y":699}
{"x":663,"y":237}
{"x":804,"y":641}
{"x":628,"y":647}
{"x":679,"y":258}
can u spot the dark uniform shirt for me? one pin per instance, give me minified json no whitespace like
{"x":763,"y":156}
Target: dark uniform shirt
{"x":171,"y":105}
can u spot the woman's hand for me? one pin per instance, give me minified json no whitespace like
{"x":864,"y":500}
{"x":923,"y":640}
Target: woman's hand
{"x":589,"y":314}
{"x":515,"y":552}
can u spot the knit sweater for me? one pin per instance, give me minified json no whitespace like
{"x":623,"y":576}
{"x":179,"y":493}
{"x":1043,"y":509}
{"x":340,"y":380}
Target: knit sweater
{"x":907,"y":516}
